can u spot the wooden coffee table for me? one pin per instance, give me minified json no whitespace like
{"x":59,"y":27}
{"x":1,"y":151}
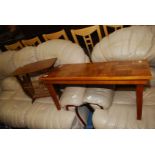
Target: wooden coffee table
{"x":24,"y":74}
{"x":114,"y":72}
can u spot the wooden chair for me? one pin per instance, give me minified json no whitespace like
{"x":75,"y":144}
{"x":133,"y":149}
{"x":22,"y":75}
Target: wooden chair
{"x":55,"y":35}
{"x":14,"y":46}
{"x":87,"y":35}
{"x":31,"y":42}
{"x":113,"y":27}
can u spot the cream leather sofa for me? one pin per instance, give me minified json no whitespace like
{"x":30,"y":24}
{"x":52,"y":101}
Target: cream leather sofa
{"x":112,"y":108}
{"x":133,"y":43}
{"x":16,"y":108}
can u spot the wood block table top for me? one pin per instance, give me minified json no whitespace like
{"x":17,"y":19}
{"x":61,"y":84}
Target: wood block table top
{"x":105,"y":71}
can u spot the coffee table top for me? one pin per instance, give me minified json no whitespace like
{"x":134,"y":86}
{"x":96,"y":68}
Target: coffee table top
{"x":113,"y":70}
{"x":34,"y":67}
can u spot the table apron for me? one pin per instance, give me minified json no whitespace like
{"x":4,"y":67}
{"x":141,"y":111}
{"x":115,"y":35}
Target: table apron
{"x":125,"y":82}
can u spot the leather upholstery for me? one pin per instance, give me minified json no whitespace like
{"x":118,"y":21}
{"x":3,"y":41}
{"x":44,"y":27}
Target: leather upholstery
{"x":16,"y":108}
{"x":98,"y":97}
{"x":6,"y":64}
{"x":72,"y":96}
{"x":66,"y":52}
{"x":133,"y":43}
{"x":124,"y":117}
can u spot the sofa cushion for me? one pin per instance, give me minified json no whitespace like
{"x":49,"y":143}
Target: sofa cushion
{"x":124,"y":97}
{"x":132,"y":43}
{"x":44,"y":100}
{"x":124,"y":117}
{"x":151,"y":54}
{"x":129,"y":97}
{"x":98,"y":97}
{"x":10,"y":83}
{"x":7,"y":95}
{"x":149,"y":96}
{"x":21,"y":96}
{"x":45,"y":115}
{"x":13,"y":113}
{"x":6,"y":64}
{"x":66,"y":52}
{"x":152,"y":81}
{"x":24,"y":56}
{"x":72,"y":96}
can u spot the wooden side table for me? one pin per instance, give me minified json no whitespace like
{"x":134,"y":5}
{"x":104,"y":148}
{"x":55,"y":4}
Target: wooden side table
{"x":115,"y":72}
{"x":34,"y":89}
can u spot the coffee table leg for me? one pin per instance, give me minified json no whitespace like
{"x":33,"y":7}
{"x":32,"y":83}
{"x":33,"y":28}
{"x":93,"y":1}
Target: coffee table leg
{"x":53,"y":95}
{"x":139,"y":95}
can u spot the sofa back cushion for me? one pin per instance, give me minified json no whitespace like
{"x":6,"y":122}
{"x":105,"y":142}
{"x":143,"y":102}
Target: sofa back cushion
{"x":6,"y":64}
{"x":11,"y":60}
{"x":132,"y":43}
{"x":24,"y":56}
{"x":65,"y":51}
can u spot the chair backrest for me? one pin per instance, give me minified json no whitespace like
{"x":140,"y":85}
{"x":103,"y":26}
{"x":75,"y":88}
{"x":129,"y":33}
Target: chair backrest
{"x":31,"y":42}
{"x":112,"y":28}
{"x":87,"y":36}
{"x":55,"y":35}
{"x":14,"y":46}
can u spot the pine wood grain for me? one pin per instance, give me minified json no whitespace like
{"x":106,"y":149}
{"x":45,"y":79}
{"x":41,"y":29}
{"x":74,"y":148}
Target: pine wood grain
{"x":114,"y":70}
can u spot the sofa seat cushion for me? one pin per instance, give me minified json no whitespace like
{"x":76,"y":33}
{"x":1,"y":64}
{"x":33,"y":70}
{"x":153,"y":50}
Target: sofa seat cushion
{"x":7,"y":95}
{"x":124,"y":97}
{"x":99,"y":97}
{"x":47,"y":100}
{"x":12,"y":113}
{"x":129,"y":97}
{"x":124,"y":117}
{"x":152,"y":81}
{"x":21,"y":96}
{"x":45,"y":115}
{"x":149,"y":96}
{"x":2,"y":103}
